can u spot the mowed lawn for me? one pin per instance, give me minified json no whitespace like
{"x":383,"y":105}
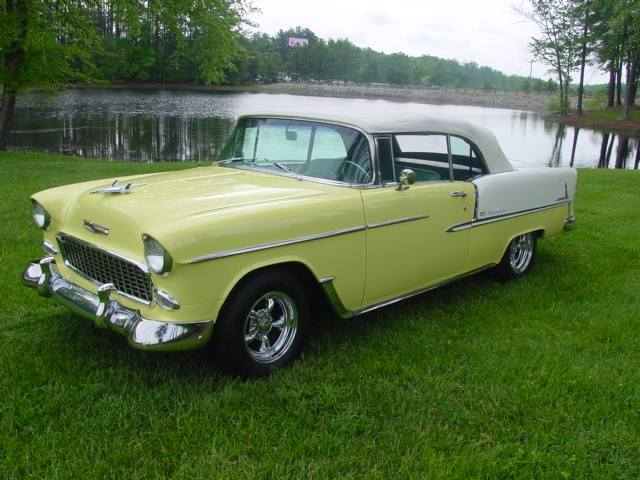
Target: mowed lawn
{"x":537,"y":378}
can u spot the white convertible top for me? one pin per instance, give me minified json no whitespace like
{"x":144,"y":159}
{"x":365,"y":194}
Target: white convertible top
{"x":410,"y":122}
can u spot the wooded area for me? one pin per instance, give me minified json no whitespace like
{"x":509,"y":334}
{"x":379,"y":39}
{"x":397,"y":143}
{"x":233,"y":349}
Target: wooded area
{"x":44,"y":43}
{"x":575,"y":33}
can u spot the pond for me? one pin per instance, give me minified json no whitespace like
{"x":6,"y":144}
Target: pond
{"x":179,"y":126}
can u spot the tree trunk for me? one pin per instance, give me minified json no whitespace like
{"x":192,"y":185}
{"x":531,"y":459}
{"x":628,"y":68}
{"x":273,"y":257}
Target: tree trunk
{"x":583,"y":61}
{"x":619,"y":84}
{"x":632,"y":69}
{"x":637,"y":156}
{"x":9,"y":95}
{"x":634,"y":84}
{"x":13,"y":60}
{"x":611,"y":93}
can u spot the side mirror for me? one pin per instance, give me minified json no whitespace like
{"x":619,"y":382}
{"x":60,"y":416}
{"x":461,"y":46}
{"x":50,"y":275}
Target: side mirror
{"x":407,"y":177}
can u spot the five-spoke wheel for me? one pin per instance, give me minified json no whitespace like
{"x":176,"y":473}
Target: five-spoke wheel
{"x":518,"y":258}
{"x":262,"y":325}
{"x":271,"y":326}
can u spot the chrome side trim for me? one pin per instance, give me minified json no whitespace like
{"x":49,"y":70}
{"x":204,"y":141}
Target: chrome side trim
{"x":397,"y":221}
{"x":499,"y":218}
{"x":265,"y":246}
{"x":341,"y":311}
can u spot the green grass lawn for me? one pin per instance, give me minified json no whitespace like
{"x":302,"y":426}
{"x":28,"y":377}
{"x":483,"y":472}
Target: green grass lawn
{"x":537,"y":378}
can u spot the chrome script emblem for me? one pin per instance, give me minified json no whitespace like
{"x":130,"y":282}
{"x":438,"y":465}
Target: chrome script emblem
{"x":95,"y":228}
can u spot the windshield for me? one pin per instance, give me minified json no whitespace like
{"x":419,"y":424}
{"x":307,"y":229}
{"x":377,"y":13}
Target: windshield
{"x":301,"y":148}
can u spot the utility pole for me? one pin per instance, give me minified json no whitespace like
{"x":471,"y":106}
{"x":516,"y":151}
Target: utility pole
{"x":530,"y":69}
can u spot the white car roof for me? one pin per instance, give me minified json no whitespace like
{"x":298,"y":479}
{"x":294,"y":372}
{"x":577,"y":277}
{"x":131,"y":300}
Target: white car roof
{"x":410,"y":122}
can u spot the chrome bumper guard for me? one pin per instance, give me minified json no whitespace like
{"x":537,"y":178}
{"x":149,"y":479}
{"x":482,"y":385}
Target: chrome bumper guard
{"x":142,"y":333}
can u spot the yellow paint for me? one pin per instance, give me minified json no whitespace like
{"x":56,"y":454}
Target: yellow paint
{"x":202,"y":211}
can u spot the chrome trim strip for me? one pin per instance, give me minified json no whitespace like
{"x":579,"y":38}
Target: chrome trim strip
{"x":49,"y":248}
{"x":95,"y":228}
{"x":499,"y":218}
{"x":265,"y":246}
{"x":397,"y":221}
{"x":343,"y":312}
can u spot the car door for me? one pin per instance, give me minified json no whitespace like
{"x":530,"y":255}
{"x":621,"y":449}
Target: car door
{"x":409,"y":245}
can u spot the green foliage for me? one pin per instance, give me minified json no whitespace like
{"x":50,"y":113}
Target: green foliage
{"x":597,"y":100}
{"x":48,"y":42}
{"x":341,"y":60}
{"x":533,"y":379}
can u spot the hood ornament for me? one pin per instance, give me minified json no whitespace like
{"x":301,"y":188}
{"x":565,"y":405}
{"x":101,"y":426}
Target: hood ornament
{"x":119,"y":189}
{"x":95,"y":228}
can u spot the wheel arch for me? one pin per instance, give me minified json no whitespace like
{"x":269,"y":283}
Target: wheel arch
{"x":299,"y":269}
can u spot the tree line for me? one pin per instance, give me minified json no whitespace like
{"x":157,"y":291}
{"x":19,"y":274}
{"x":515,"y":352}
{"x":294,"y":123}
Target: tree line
{"x":266,"y":58}
{"x":577,"y":33}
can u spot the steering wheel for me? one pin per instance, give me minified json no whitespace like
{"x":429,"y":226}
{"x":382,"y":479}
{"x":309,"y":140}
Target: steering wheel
{"x":367,"y":175}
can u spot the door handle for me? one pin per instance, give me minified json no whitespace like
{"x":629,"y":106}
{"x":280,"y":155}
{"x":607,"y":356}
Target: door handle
{"x":459,"y":193}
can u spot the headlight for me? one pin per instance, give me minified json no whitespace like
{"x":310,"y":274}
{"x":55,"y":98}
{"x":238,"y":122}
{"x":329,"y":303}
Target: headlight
{"x":157,"y":257}
{"x":40,"y":215}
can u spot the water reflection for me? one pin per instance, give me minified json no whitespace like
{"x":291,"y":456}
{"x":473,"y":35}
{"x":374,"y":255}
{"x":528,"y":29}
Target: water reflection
{"x":152,"y":126}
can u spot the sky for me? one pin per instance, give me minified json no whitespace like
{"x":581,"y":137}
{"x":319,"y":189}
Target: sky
{"x":488,"y":32}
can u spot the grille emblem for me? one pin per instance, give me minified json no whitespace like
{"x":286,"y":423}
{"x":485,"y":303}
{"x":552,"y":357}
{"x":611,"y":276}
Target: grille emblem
{"x":95,"y":228}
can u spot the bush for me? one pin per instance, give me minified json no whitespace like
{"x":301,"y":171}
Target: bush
{"x":554,"y":106}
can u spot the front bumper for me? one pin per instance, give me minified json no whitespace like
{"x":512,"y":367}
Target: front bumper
{"x":142,"y":333}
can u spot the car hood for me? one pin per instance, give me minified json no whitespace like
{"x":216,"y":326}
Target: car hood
{"x":163,"y":198}
{"x":171,"y":195}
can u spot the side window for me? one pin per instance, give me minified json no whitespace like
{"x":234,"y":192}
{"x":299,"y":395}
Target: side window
{"x":385,"y":156}
{"x":425,"y":154}
{"x":466,"y":160}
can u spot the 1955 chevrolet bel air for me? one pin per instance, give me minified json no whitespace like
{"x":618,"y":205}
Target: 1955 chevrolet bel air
{"x":360,"y":212}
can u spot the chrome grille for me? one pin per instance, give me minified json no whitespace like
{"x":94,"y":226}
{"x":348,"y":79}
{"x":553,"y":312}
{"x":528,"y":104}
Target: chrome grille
{"x":105,"y":267}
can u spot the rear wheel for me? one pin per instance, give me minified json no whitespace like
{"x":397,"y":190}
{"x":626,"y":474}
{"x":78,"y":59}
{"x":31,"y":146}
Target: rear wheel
{"x":519,"y":256}
{"x":263,"y":325}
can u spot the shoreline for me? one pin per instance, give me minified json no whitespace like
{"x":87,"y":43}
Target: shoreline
{"x":607,"y":120}
{"x":603,"y":120}
{"x":536,"y":102}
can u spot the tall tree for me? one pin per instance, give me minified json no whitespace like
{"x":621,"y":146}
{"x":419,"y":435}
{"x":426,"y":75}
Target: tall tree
{"x":42,"y":44}
{"x":558,"y":44}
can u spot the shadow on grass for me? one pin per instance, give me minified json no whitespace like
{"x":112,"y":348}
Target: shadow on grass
{"x":100,"y":352}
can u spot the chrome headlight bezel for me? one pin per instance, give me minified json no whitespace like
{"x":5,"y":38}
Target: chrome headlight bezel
{"x":157,"y":257}
{"x":40,"y":216}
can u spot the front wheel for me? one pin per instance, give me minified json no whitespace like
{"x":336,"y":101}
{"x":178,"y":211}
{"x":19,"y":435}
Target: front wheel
{"x":519,"y":256}
{"x":262,"y":326}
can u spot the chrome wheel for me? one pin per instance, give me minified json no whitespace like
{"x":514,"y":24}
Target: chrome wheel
{"x":270,"y":327}
{"x":521,"y":252}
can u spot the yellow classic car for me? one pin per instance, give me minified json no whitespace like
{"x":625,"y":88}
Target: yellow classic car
{"x":360,"y":212}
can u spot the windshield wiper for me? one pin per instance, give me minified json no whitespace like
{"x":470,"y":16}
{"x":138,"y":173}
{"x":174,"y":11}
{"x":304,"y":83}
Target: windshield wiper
{"x":283,"y":168}
{"x":234,"y":160}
